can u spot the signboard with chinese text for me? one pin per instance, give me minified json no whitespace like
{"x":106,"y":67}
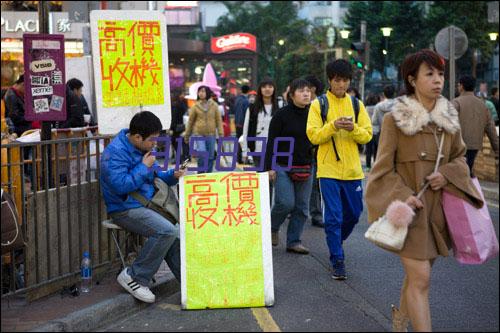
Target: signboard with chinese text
{"x":225,"y":231}
{"x":237,"y":41}
{"x":44,"y":79}
{"x":130,"y":56}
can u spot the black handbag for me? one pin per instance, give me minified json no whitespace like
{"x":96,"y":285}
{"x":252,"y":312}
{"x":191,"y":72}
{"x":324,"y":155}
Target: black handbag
{"x":12,"y":233}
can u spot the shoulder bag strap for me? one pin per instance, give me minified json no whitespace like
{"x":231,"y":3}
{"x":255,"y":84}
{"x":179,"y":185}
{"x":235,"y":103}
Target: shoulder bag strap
{"x":438,"y":159}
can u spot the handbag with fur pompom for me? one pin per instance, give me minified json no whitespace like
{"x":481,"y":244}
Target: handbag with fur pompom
{"x":390,"y":230}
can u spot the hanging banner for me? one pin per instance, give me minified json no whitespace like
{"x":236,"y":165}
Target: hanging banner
{"x":225,"y":231}
{"x":44,"y":81}
{"x":130,"y":56}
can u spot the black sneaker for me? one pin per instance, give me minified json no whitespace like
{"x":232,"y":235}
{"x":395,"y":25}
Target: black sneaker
{"x":318,"y":224}
{"x":339,"y":270}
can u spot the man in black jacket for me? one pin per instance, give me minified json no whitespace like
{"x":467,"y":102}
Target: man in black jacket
{"x":14,"y":106}
{"x":76,"y":105}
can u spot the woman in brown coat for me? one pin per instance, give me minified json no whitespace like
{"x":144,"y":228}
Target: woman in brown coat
{"x":408,"y":147}
{"x":204,"y":120}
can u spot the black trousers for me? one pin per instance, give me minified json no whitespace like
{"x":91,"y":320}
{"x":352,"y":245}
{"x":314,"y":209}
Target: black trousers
{"x":239,"y":132}
{"x":470,"y":155}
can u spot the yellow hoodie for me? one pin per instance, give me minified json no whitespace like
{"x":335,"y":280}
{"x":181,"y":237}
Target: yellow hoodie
{"x":349,"y":166}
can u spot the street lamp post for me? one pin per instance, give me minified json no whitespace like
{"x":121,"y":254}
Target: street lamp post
{"x":386,"y":31}
{"x":493,"y":38}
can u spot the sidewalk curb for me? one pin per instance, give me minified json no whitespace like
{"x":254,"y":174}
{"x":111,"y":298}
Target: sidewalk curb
{"x":101,"y":313}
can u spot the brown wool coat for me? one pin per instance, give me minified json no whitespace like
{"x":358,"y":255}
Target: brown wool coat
{"x":204,"y":123}
{"x":406,"y":155}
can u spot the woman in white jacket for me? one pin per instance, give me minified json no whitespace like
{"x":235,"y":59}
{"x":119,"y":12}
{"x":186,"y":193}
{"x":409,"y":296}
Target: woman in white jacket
{"x":257,"y":119}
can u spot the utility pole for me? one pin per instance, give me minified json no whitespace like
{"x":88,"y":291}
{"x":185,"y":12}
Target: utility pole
{"x":43,"y":21}
{"x":451,"y":32}
{"x":363,"y":41}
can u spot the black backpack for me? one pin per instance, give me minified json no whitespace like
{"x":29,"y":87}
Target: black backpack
{"x":323,"y":103}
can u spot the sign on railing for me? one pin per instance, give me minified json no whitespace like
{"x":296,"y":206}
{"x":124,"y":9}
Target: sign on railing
{"x":44,"y":77}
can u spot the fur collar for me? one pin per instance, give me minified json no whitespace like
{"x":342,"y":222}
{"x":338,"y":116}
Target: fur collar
{"x":411,"y":117}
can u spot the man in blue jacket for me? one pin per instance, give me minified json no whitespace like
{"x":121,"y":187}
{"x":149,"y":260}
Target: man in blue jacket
{"x":126,"y":166}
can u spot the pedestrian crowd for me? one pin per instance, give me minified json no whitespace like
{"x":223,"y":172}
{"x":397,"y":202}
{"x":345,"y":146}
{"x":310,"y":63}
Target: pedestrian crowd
{"x":322,"y":178}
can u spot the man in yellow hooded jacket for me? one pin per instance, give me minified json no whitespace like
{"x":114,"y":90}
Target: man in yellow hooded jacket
{"x":339,"y":165}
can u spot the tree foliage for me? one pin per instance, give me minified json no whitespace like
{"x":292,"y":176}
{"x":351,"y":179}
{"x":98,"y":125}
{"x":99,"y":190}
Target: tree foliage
{"x":471,"y":17}
{"x":404,"y":17}
{"x":271,"y":23}
{"x":414,"y":29}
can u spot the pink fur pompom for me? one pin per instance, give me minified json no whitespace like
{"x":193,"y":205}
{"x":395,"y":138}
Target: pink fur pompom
{"x":399,"y":214}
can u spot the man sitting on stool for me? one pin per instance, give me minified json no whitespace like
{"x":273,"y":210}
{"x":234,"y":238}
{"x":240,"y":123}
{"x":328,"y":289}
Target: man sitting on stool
{"x":126,"y":166}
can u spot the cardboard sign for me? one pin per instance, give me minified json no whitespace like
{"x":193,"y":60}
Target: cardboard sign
{"x":45,"y":85}
{"x":225,"y":232}
{"x":131,"y":66}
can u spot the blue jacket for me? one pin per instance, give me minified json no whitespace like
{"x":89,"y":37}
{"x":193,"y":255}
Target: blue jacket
{"x":122,"y":172}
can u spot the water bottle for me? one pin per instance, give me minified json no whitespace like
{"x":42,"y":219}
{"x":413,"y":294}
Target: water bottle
{"x":86,"y":273}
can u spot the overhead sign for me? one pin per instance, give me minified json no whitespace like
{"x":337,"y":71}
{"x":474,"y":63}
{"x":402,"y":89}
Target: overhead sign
{"x":237,"y":41}
{"x":131,"y":62}
{"x":45,"y":88}
{"x":225,"y":232}
{"x":15,"y":24}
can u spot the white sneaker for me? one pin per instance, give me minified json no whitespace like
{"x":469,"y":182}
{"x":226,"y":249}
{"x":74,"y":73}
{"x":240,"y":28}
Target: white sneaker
{"x":140,"y":292}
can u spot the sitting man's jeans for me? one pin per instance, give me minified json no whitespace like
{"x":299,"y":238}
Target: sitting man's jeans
{"x":163,"y":242}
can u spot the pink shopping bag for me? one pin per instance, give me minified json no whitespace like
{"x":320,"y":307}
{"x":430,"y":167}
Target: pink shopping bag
{"x":471,"y":229}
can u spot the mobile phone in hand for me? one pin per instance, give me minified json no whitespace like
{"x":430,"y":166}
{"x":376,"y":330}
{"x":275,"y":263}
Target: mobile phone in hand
{"x":185,"y":164}
{"x":348,"y":118}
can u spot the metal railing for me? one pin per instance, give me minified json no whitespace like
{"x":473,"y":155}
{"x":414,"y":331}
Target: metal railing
{"x":55,"y":185}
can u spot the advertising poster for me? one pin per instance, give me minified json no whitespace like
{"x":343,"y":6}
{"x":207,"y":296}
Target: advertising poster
{"x":44,"y":77}
{"x":130,"y":56}
{"x":225,"y":230}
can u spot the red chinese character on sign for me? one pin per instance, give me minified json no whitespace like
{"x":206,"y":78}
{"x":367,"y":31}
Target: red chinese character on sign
{"x":205,"y":201}
{"x":110,"y":41}
{"x":147,"y":30}
{"x":244,"y":184}
{"x":128,"y":68}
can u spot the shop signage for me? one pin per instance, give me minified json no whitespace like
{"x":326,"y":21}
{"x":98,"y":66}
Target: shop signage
{"x":15,"y":24}
{"x":237,"y":41}
{"x":44,"y":98}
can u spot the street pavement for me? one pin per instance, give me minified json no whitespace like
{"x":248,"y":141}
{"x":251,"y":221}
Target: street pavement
{"x":463,"y":298}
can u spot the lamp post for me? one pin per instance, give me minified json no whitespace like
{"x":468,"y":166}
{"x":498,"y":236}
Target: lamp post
{"x":494,"y":38}
{"x":386,"y":31}
{"x":344,"y":34}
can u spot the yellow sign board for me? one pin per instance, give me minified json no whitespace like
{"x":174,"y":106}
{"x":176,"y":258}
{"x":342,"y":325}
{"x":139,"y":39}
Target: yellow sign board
{"x":131,"y":62}
{"x":225,"y":241}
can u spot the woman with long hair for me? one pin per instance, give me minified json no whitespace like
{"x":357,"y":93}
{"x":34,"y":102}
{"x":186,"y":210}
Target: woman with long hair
{"x":257,"y":119}
{"x":407,"y":153}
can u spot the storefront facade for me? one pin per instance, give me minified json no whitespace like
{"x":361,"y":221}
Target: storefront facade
{"x":15,"y":24}
{"x":188,"y":59}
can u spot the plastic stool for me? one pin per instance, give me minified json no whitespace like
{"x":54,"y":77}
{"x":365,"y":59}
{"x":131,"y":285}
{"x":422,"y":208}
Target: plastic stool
{"x":108,"y":224}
